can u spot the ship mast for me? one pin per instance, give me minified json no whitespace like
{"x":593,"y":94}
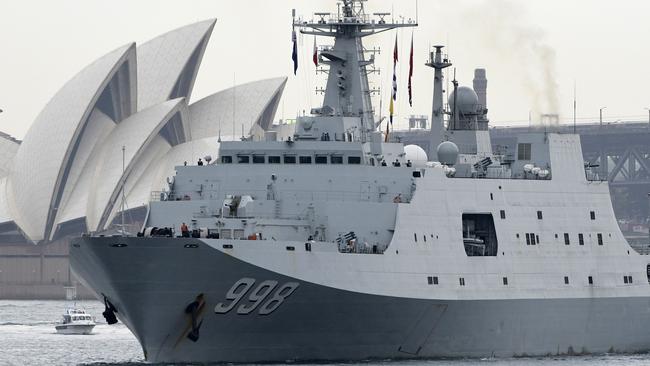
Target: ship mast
{"x":347,"y":92}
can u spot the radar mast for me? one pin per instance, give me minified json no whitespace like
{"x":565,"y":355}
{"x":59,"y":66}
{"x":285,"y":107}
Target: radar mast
{"x":347,"y":92}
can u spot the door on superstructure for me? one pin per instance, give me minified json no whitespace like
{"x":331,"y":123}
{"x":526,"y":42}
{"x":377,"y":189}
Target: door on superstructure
{"x":479,"y":235}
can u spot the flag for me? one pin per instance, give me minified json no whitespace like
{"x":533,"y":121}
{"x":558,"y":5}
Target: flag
{"x":294,"y":54}
{"x":395,"y":58}
{"x":411,"y":73}
{"x":394,"y":91}
{"x":315,"y":53}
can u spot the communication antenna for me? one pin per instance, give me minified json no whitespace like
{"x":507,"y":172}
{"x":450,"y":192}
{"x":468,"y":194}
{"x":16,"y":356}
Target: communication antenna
{"x":123,"y":184}
{"x":416,"y":12}
{"x":455,"y":82}
{"x":574,"y":106}
{"x":234,"y":100}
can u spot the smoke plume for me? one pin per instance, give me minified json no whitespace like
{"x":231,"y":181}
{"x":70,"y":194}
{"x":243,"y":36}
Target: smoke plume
{"x":501,"y":26}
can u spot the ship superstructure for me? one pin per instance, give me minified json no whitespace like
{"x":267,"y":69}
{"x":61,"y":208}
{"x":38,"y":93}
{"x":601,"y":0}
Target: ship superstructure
{"x":331,"y":244}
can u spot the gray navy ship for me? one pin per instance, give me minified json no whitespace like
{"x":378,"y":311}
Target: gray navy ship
{"x":335,"y":243}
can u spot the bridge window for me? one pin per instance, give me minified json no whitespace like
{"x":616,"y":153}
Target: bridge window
{"x":461,"y":281}
{"x":243,"y":159}
{"x":591,"y":280}
{"x":505,"y":281}
{"x":258,"y":159}
{"x":289,"y":159}
{"x":274,"y":160}
{"x":305,"y":160}
{"x":523,"y":151}
{"x":479,"y":235}
{"x":226,"y":159}
{"x":567,"y":241}
{"x":527,"y":239}
{"x":566,"y":280}
{"x":581,"y":239}
{"x":600,"y":239}
{"x":337,"y":159}
{"x":539,"y":215}
{"x":321,"y":159}
{"x":354,"y":160}
{"x":503,"y":214}
{"x":592,"y":214}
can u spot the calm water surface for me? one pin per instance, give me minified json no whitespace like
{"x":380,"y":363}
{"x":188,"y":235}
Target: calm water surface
{"x":28,"y":337}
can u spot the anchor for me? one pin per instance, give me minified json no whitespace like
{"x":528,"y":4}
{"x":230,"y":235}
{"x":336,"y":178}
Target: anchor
{"x":194,"y":309}
{"x":109,"y":312}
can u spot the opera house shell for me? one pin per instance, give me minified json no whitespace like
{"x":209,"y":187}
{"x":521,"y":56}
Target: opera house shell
{"x":114,"y":133}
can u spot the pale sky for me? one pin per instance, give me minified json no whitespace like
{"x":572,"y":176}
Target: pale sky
{"x":533,"y":50}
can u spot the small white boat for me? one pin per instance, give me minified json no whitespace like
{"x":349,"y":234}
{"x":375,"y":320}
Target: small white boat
{"x":76,"y":321}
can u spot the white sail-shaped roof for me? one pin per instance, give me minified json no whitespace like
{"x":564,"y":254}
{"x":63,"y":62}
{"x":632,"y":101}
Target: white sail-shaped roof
{"x":45,"y":157}
{"x":253,"y":103}
{"x":135,"y":134}
{"x":68,"y":169}
{"x":168,"y":64}
{"x":8,"y":149}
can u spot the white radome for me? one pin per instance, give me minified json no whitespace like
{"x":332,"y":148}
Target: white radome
{"x":416,"y":154}
{"x":467,"y":100}
{"x":447,"y":153}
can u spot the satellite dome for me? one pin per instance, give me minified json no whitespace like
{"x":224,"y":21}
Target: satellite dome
{"x":447,"y":153}
{"x":415,"y":154}
{"x":467,"y":100}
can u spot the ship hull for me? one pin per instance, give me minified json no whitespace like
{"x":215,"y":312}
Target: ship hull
{"x":151,"y":282}
{"x":75,"y":328}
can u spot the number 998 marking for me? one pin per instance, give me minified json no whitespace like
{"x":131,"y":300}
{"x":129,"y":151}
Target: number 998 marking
{"x":256,"y":297}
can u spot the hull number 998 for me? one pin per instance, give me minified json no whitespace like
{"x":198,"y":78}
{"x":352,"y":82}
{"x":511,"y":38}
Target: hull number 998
{"x":260,"y":295}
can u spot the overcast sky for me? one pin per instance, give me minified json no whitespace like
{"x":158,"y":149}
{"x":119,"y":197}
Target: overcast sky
{"x":533,"y":51}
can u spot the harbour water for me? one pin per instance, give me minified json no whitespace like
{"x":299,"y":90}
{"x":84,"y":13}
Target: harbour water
{"x":27,"y":337}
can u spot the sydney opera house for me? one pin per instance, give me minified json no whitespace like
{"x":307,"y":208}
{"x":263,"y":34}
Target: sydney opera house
{"x":108,"y":139}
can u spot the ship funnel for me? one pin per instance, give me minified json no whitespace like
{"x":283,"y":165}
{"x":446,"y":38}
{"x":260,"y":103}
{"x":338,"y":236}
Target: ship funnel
{"x":480,"y":86}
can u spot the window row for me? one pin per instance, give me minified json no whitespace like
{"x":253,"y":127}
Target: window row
{"x":540,"y":214}
{"x":433,"y":280}
{"x":581,"y":239}
{"x":423,"y":237}
{"x":533,"y":239}
{"x":289,"y":159}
